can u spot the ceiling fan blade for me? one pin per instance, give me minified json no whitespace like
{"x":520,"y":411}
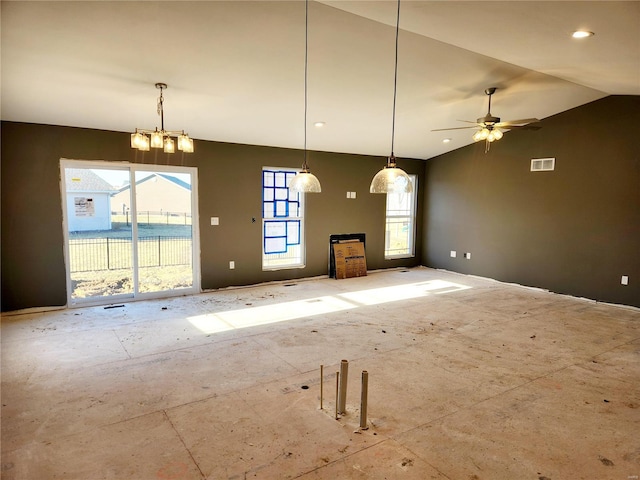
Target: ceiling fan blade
{"x":453,"y":128}
{"x":523,"y":127}
{"x":517,"y":122}
{"x":468,"y":121}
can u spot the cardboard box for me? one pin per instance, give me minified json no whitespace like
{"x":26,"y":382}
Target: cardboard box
{"x":350,"y":259}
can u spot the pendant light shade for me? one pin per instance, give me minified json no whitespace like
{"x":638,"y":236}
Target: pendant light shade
{"x":305,"y":181}
{"x":392,"y":179}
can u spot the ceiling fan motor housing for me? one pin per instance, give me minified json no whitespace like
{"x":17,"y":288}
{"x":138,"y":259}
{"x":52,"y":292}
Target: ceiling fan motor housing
{"x":488,"y":120}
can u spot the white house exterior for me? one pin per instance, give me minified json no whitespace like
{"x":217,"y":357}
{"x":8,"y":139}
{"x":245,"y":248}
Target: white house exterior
{"x":88,"y":201}
{"x":156,"y":192}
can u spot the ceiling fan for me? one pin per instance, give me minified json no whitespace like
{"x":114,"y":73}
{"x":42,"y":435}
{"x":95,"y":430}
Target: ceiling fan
{"x":489,"y":126}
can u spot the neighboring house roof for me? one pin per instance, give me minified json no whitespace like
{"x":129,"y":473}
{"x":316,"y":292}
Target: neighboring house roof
{"x":85,"y":180}
{"x":169,"y":178}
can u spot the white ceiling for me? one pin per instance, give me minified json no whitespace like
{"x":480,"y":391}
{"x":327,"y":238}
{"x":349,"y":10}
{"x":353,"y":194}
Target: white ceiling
{"x":235,"y":69}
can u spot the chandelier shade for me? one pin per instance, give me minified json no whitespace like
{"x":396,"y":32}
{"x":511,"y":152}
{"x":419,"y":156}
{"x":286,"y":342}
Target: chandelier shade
{"x":145,"y":139}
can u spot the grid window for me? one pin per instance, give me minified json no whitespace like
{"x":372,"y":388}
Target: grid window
{"x":400,"y":223}
{"x":282,"y":221}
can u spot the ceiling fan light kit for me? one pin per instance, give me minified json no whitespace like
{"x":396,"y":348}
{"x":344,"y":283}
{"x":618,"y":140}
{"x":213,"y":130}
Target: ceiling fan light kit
{"x":161,"y":138}
{"x":392,"y":179}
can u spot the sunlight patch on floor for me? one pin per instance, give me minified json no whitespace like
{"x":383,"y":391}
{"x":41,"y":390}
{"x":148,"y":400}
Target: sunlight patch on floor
{"x":280,"y":312}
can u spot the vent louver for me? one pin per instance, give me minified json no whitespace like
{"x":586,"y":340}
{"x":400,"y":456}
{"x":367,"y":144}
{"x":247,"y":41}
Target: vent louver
{"x":543,"y":164}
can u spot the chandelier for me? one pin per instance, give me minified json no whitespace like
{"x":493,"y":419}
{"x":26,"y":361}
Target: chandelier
{"x":161,"y":138}
{"x":392,"y":179}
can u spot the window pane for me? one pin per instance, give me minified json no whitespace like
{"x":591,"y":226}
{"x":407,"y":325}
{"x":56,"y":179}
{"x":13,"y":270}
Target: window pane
{"x":281,"y":209}
{"x":293,"y":233}
{"x":281,"y":179}
{"x":275,"y":245}
{"x":275,"y":229}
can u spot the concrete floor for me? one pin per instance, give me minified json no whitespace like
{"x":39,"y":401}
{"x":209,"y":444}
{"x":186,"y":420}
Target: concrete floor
{"x":468,"y":379}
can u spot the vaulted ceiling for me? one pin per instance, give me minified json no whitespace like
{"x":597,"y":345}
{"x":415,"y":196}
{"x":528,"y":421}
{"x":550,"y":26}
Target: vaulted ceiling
{"x":235,"y":69}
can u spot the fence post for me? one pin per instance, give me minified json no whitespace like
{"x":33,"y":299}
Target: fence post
{"x":159,"y":264}
{"x":108,"y":263}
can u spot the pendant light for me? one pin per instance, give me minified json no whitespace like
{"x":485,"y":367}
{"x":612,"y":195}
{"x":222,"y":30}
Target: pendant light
{"x":305,"y":181}
{"x":392,"y":179}
{"x":161,"y":138}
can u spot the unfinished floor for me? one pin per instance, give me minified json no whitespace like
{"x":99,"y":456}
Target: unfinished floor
{"x":468,"y":379}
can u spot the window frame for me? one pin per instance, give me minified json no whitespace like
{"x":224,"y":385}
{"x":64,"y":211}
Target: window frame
{"x":287,"y":230}
{"x":411,"y":216}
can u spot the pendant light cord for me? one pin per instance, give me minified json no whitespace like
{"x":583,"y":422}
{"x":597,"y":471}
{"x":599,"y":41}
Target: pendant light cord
{"x":395,"y":84}
{"x":306,"y":53}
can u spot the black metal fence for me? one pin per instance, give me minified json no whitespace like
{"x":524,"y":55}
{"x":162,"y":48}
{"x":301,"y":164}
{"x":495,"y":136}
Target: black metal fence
{"x":95,"y":254}
{"x":148,"y":217}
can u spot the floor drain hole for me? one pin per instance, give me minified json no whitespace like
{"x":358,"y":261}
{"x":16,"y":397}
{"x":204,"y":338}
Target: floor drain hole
{"x":305,"y":387}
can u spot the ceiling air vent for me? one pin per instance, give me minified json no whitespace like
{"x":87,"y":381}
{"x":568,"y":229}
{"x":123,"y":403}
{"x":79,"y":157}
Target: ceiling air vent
{"x":543,"y":164}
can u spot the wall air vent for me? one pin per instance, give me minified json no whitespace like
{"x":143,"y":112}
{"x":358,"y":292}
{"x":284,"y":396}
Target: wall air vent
{"x":543,"y":164}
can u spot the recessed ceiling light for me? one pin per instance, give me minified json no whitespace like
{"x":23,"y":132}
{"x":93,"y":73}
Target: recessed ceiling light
{"x":446,"y":140}
{"x":582,"y":34}
{"x":319,"y":124}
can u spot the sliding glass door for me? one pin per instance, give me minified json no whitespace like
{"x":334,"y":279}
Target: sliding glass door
{"x":130,"y":231}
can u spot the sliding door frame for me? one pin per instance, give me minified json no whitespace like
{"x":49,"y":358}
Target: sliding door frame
{"x":132,"y":168}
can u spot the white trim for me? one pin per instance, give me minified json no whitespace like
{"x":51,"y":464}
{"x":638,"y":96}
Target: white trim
{"x":413,"y":217}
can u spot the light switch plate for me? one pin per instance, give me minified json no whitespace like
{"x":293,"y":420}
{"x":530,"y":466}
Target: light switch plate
{"x":625,"y":280}
{"x":215,"y":221}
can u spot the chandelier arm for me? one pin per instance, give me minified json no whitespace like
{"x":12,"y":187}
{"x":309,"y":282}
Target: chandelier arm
{"x":166,"y":133}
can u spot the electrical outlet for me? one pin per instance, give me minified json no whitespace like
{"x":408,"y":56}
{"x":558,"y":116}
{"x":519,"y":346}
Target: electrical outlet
{"x":215,"y":221}
{"x":453,"y":254}
{"x":467,"y":255}
{"x":625,"y":280}
{"x":232,"y":265}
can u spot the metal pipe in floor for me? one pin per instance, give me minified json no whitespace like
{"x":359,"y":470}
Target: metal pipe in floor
{"x":337,"y":383}
{"x":321,"y":384}
{"x":344,"y":371}
{"x":363,"y":399}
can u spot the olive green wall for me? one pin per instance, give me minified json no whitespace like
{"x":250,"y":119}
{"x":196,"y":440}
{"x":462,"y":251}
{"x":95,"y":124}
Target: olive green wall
{"x":575,"y":230}
{"x":229,"y":187}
